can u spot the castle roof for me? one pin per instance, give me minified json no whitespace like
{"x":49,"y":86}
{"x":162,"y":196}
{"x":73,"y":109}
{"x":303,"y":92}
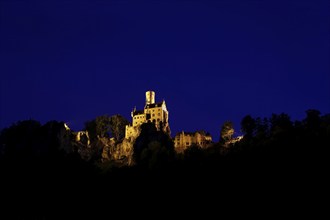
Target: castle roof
{"x":140,"y":112}
{"x":159,"y":104}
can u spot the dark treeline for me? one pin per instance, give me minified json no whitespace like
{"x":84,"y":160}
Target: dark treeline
{"x":277,"y":159}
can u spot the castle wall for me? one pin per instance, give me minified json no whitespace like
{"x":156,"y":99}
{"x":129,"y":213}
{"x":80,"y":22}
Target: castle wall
{"x":183,"y":140}
{"x":137,"y":120}
{"x":156,"y":115}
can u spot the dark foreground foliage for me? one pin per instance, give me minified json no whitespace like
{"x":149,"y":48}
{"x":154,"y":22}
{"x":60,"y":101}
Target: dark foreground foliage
{"x":279,"y":169}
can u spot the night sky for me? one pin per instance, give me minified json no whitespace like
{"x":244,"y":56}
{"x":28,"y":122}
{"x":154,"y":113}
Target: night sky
{"x":211,"y":61}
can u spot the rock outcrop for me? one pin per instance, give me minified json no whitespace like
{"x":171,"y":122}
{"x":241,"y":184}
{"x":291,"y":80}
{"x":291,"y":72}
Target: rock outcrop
{"x":120,"y":153}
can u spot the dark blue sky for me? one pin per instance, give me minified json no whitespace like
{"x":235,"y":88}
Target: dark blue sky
{"x":211,"y":61}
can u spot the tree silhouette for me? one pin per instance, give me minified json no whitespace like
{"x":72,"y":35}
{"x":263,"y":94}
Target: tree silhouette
{"x":117,"y":126}
{"x":18,"y":140}
{"x":99,"y":127}
{"x":106,"y":126}
{"x":281,"y":127}
{"x":312,"y":120}
{"x":226,"y":132}
{"x":248,"y":125}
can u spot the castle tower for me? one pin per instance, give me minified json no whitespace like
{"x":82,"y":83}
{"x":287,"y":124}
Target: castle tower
{"x":150,"y":97}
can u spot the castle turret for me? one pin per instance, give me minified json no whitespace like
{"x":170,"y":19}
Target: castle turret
{"x":150,"y":97}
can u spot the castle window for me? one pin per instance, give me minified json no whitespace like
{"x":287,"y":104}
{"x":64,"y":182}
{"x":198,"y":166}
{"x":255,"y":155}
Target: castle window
{"x":187,"y":143}
{"x":153,"y":115}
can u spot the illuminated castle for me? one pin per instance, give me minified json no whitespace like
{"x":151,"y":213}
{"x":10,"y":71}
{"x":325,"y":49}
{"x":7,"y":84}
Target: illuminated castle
{"x":153,"y":112}
{"x":184,"y":140}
